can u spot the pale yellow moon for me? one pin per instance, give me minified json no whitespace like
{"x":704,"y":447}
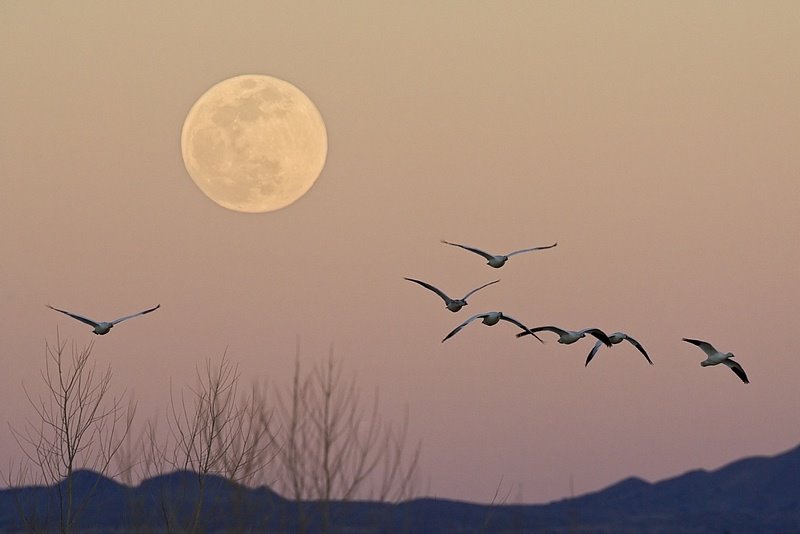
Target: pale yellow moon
{"x":254,"y":143}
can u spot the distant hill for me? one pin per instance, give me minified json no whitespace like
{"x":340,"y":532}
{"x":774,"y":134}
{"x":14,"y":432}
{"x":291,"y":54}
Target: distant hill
{"x":760,"y":494}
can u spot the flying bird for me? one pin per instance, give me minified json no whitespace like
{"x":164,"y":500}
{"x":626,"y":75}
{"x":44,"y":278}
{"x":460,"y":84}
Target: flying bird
{"x":615,"y":338}
{"x":452,"y":304}
{"x":102,"y":327}
{"x":716,"y":357}
{"x":490,"y":319}
{"x":567,"y":337}
{"x":499,"y":260}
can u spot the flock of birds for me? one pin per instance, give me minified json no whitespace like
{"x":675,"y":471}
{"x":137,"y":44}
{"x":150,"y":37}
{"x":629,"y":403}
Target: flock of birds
{"x":566,"y":337}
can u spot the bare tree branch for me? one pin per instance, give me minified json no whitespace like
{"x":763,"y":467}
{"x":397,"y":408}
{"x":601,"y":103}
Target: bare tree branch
{"x":332,"y":448}
{"x":76,"y":424}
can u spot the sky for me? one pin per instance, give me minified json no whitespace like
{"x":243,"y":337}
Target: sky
{"x":656,"y":142}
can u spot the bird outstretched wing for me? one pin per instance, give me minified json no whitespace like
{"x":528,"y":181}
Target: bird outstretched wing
{"x":462,"y":325}
{"x":706,"y":347}
{"x":432,"y":288}
{"x":599,"y":334}
{"x":530,"y":249}
{"x":471,"y":249}
{"x":81,"y":318}
{"x":593,"y":351}
{"x":555,"y":329}
{"x":736,"y":368}
{"x":478,"y":289}
{"x":135,"y":315}
{"x":638,"y":346}
{"x":519,"y":324}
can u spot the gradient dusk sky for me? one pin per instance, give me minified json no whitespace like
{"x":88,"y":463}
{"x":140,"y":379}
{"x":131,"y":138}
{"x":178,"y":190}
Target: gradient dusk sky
{"x":656,"y":142}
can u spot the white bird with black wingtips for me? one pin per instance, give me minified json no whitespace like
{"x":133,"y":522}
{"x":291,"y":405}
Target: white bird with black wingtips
{"x":102,"y":327}
{"x":716,"y":357}
{"x":615,"y":338}
{"x":453,"y":305}
{"x":568,"y":337}
{"x":498,"y":260}
{"x":490,"y":319}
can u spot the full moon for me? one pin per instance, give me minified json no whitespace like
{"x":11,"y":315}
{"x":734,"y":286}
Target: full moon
{"x":254,"y":143}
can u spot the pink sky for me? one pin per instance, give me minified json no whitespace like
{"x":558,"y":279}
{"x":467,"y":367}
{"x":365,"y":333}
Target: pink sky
{"x":656,"y":142}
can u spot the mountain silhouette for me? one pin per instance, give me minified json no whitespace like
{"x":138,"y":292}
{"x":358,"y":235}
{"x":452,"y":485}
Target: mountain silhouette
{"x":758,"y":494}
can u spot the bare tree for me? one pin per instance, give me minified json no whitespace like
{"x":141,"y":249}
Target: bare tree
{"x":77,"y":425}
{"x":212,"y":429}
{"x":333,"y":448}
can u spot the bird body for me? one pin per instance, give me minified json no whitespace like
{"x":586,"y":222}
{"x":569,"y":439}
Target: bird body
{"x":568,"y":337}
{"x":498,"y":260}
{"x":489,"y":319}
{"x":715,"y":357}
{"x":616,"y":338}
{"x":102,"y":327}
{"x":453,"y":305}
